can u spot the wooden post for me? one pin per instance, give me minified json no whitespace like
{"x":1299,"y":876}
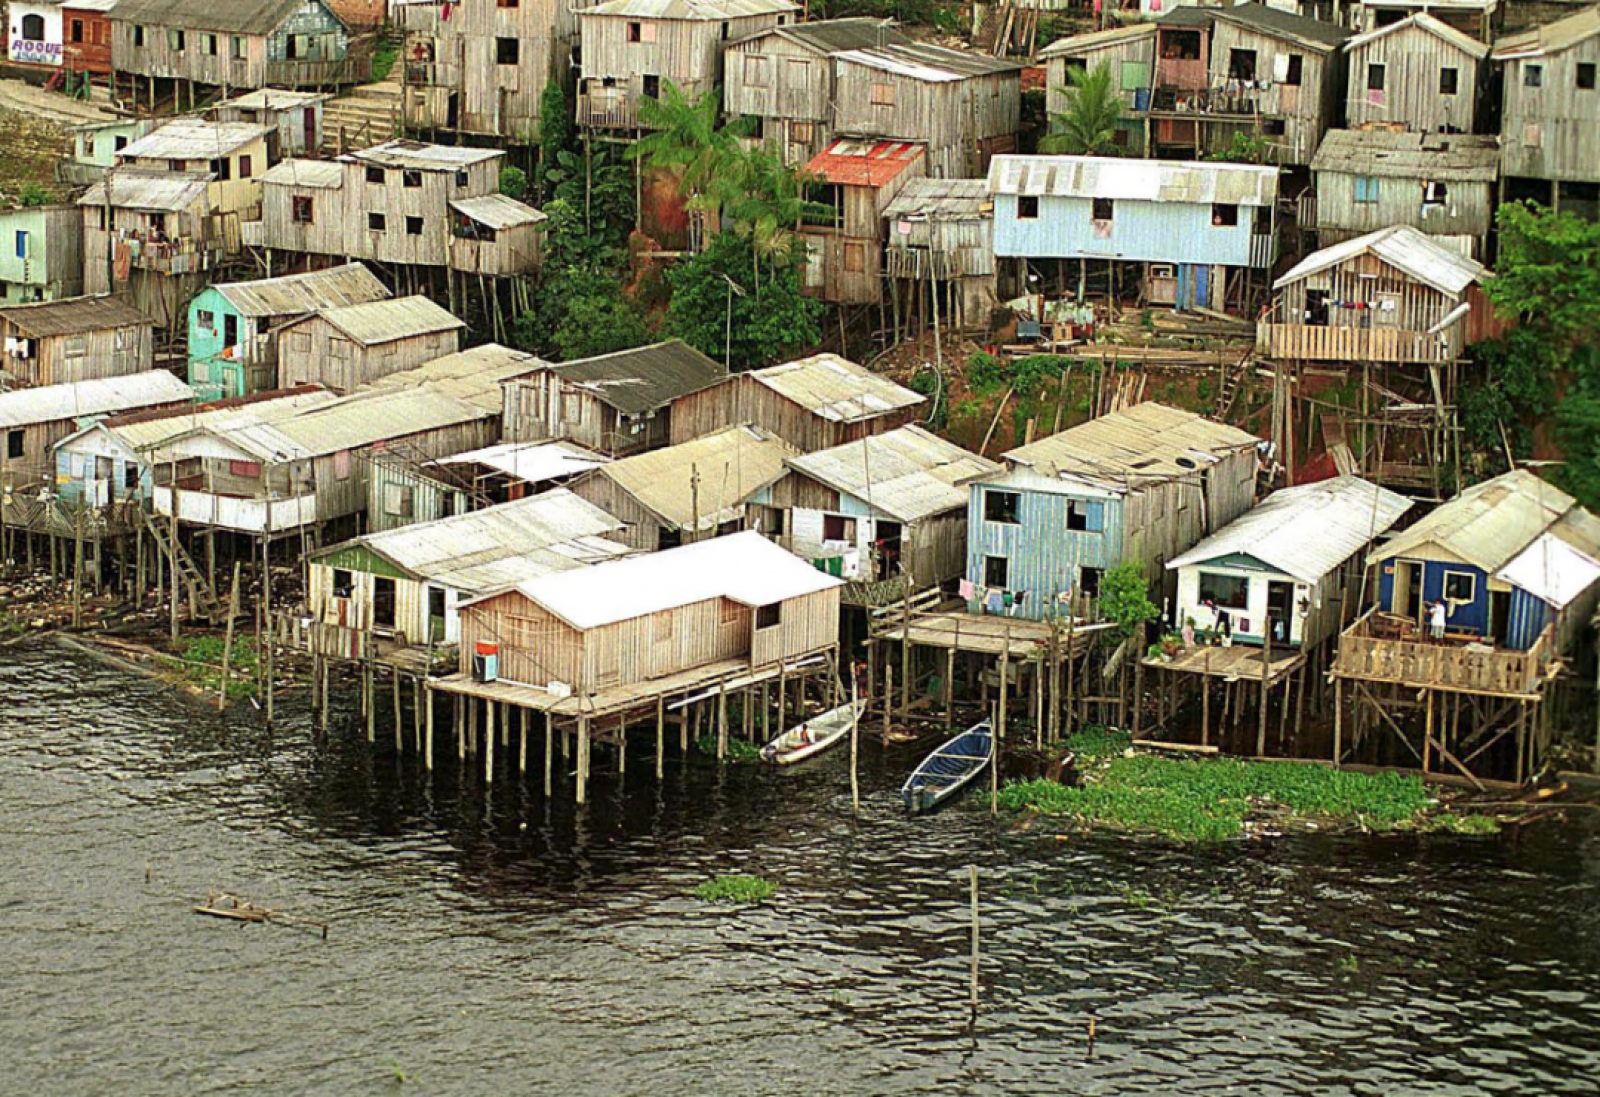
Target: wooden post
{"x":1005,"y":685}
{"x":549,"y":753}
{"x":1266,"y":679}
{"x":949,"y":689}
{"x":1072,"y":623}
{"x":783,"y":699}
{"x":488,"y":741}
{"x":1138,"y":694}
{"x":622,"y":745}
{"x":1338,"y":722}
{"x":77,"y":569}
{"x":459,"y":709}
{"x":399,"y":720}
{"x":522,"y":741}
{"x":661,"y":735}
{"x":1427,"y":729}
{"x":427,"y":755}
{"x":369,"y":701}
{"x":722,"y":721}
{"x":227,"y":642}
{"x":417,"y":695}
{"x":972,"y":871}
{"x":1205,"y":699}
{"x":888,"y":697}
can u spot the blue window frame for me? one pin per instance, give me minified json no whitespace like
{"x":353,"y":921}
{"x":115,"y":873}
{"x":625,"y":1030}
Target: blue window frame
{"x":22,"y":243}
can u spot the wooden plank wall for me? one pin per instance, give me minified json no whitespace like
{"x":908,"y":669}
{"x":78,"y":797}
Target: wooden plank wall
{"x":1307,"y":109}
{"x":1466,"y":210}
{"x":955,"y":118}
{"x":788,"y":86}
{"x":1552,"y":131}
{"x":316,"y":352}
{"x":1412,"y":93}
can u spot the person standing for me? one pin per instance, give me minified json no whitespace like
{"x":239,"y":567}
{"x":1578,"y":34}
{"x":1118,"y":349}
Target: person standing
{"x":1436,"y":622}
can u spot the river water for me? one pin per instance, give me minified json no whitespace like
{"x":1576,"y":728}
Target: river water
{"x":502,"y":945}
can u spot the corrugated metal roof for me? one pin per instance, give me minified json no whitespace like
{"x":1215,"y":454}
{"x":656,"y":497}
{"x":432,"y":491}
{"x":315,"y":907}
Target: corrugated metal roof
{"x":73,"y":315}
{"x":849,"y":162}
{"x":835,"y":388}
{"x":474,"y":375}
{"x":644,"y":378}
{"x":347,"y":423}
{"x":1551,"y":570}
{"x":743,"y":567}
{"x":273,"y":99}
{"x":832,"y":35}
{"x":498,"y":211}
{"x":194,"y":139}
{"x":79,"y":399}
{"x":500,"y":546}
{"x":415,"y":154}
{"x":1145,"y":443}
{"x":322,"y":174}
{"x":375,"y":322}
{"x":1488,"y":524}
{"x":132,"y":188}
{"x":1305,"y":531}
{"x":706,"y":10}
{"x":946,"y":199}
{"x":238,"y":16}
{"x":1283,"y":24}
{"x":1099,"y":39}
{"x":292,"y":294}
{"x":924,"y":61}
{"x":532,"y":462}
{"x":1402,"y":247}
{"x":1550,"y":38}
{"x":1449,"y":157}
{"x":1423,"y":21}
{"x":145,"y":432}
{"x":731,"y":464}
{"x":907,"y":473}
{"x":1134,"y":180}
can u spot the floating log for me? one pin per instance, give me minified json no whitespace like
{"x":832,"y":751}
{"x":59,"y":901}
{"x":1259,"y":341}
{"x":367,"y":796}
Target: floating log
{"x":237,"y":909}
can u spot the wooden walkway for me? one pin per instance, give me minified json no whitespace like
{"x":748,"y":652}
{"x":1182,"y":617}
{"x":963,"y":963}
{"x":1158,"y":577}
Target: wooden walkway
{"x":1233,"y":664}
{"x":989,"y":635}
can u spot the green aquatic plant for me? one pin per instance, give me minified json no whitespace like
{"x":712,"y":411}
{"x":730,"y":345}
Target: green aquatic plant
{"x":1347,"y":965}
{"x":738,"y":749}
{"x":1099,"y":742}
{"x":735,"y":889}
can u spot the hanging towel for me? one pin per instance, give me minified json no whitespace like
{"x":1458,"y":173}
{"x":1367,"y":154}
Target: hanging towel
{"x":966,"y":590}
{"x":992,"y":603}
{"x":1006,"y":599}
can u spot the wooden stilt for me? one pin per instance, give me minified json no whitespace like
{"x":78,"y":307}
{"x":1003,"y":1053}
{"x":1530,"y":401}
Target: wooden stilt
{"x":1338,"y":721}
{"x":399,"y":718}
{"x":661,"y":736}
{"x":622,"y":745}
{"x":949,"y":689}
{"x":488,"y":741}
{"x":427,"y":756}
{"x":583,"y":759}
{"x":549,"y":754}
{"x":722,"y":721}
{"x":522,"y":742}
{"x":1205,"y":700}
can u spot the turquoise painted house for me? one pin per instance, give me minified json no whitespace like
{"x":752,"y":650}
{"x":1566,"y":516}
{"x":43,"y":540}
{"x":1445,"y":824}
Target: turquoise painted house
{"x":41,"y":254}
{"x":233,"y":327}
{"x":1141,"y":485}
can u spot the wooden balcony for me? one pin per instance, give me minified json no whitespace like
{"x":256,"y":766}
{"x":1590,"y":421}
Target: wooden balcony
{"x":1383,"y":648}
{"x":1313,"y":343}
{"x":608,"y":111}
{"x":204,"y":508}
{"x":319,"y":74}
{"x":1263,"y":250}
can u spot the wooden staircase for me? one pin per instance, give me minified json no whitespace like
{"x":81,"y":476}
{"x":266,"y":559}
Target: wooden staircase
{"x":1228,"y":390}
{"x":201,"y":596}
{"x":369,"y":115}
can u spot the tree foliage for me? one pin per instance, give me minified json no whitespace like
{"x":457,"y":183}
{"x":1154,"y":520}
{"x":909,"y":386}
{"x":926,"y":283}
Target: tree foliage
{"x":555,"y":132}
{"x":1548,"y":273}
{"x":719,"y":307}
{"x":513,"y":182}
{"x":1125,"y":599}
{"x":1088,"y":127}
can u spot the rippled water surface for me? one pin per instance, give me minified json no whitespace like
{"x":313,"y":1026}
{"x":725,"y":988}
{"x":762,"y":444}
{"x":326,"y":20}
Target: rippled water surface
{"x":500,"y":944}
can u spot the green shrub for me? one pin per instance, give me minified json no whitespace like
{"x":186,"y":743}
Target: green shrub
{"x":735,"y":889}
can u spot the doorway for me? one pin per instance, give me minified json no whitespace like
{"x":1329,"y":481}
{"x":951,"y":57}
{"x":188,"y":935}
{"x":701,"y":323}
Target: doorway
{"x":1280,"y":612}
{"x":383,"y":602}
{"x":1499,"y":616}
{"x":436,"y":621}
{"x":1407,"y":597}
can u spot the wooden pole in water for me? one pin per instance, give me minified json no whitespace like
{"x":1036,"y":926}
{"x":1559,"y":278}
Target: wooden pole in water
{"x":722,"y":721}
{"x":549,"y":753}
{"x":77,"y":569}
{"x":227,"y":642}
{"x":622,"y":744}
{"x":661,"y":735}
{"x":855,"y":750}
{"x":888,"y":696}
{"x":488,"y":741}
{"x":399,"y":721}
{"x":583,"y":759}
{"x":972,"y":875}
{"x":522,"y":742}
{"x":1338,"y":721}
{"x":1266,"y":671}
{"x":427,"y":756}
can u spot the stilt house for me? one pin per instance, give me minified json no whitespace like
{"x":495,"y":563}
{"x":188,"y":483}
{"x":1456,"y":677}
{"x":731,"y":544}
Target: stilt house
{"x":151,"y":235}
{"x":941,"y":238}
{"x":76,"y":339}
{"x":231,"y":44}
{"x":1419,"y":74}
{"x":295,"y":116}
{"x":1478,"y":18}
{"x":1550,"y":124}
{"x":353,"y":345}
{"x":33,"y":420}
{"x":1138,"y":486}
{"x":844,"y":251}
{"x":42,"y":259}
{"x":1129,"y":52}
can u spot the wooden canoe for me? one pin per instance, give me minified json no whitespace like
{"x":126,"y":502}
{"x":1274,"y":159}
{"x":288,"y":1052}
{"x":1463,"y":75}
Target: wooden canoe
{"x":948,"y":770}
{"x":811,"y":737}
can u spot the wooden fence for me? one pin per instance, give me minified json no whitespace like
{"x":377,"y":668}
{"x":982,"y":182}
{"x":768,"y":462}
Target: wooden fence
{"x":1467,"y":668}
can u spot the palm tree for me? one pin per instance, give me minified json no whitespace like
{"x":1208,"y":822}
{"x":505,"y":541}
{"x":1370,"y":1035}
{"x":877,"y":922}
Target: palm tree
{"x":1088,"y":127}
{"x":685,"y":138}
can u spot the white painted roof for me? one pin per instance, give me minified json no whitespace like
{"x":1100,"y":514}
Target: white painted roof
{"x":1133,"y":180}
{"x":743,"y":567}
{"x":835,"y":388}
{"x":157,"y":429}
{"x":1403,"y":248}
{"x":1305,"y":531}
{"x":80,"y":399}
{"x":1551,"y":570}
{"x":1486,"y":525}
{"x":530,"y":461}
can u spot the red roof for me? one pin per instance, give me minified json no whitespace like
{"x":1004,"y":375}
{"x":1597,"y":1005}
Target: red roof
{"x":862,"y":163}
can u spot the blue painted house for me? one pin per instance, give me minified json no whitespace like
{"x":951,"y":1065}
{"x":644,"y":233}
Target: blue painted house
{"x":1139,"y":485}
{"x":1509,"y":557}
{"x":1190,"y":228}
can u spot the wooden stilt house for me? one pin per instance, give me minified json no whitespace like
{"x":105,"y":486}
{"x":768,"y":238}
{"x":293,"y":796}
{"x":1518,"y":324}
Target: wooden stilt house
{"x":1418,"y":74}
{"x":1550,"y":121}
{"x":43,"y":256}
{"x":76,"y":339}
{"x":844,"y":251}
{"x":346,"y":347}
{"x":941,"y":241}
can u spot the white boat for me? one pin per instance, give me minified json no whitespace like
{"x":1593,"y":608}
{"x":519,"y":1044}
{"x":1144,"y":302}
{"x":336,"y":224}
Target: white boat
{"x":813,"y":736}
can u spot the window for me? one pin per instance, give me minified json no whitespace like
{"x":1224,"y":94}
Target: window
{"x":1366,"y":190}
{"x":1134,"y":75}
{"x":996,"y":571}
{"x":855,"y":258}
{"x":376,"y":222}
{"x":1001,"y":506}
{"x":1027,"y":207}
{"x":1241,"y":64}
{"x":1224,"y":215}
{"x":725,"y":28}
{"x":77,"y":30}
{"x":244,"y":470}
{"x":22,"y":243}
{"x":1449,"y":81}
{"x":1460,"y":586}
{"x":208,"y":45}
{"x":1585,"y":75}
{"x":1292,"y":68}
{"x":1434,"y":193}
{"x":1227,"y":591}
{"x":375,"y":175}
{"x":130,"y":477}
{"x":205,"y":318}
{"x":221,"y":169}
{"x":301,"y":211}
{"x":461,"y":179}
{"x":800,"y":133}
{"x":14,"y":446}
{"x":236,"y":47}
{"x":339,"y":349}
{"x":119,"y":143}
{"x":650,"y":86}
{"x":1085,"y":515}
{"x":642,"y":32}
{"x":505,"y":3}
{"x":768,"y":616}
{"x":1101,"y":209}
{"x":836,"y":527}
{"x":246,"y":166}
{"x":413,"y":226}
{"x":882,"y":95}
{"x":343,"y":582}
{"x":341,"y":465}
{"x":397,"y":500}
{"x":88,"y":145}
{"x":138,"y":37}
{"x":177,"y":40}
{"x":506,"y":51}
{"x":1533,"y":76}
{"x":411,"y":178}
{"x":1376,"y":75}
{"x":1089,"y":581}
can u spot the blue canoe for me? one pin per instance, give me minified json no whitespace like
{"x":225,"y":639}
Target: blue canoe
{"x":949,"y":769}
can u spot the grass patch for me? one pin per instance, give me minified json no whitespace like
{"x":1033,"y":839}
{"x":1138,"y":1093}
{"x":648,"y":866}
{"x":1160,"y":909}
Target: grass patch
{"x":201,"y":665}
{"x":735,"y":889}
{"x":1210,"y":800}
{"x":1097,"y":742}
{"x":738,"y":749}
{"x":383,"y":59}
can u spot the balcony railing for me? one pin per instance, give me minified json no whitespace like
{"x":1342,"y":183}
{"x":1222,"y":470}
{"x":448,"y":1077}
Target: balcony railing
{"x":1263,"y":250}
{"x":1310,"y":342}
{"x":204,"y":508}
{"x":920,"y":263}
{"x":1383,"y":648}
{"x":614,"y":111}
{"x":300,"y":74}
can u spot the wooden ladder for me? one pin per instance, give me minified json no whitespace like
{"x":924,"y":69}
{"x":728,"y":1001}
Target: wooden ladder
{"x":1229,"y":389}
{"x":199,"y":591}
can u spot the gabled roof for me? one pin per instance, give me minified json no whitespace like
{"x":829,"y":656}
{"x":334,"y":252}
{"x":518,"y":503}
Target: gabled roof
{"x":80,"y":399}
{"x":498,"y":211}
{"x":835,"y":388}
{"x":1446,"y":157}
{"x":237,"y":16}
{"x":1552,"y":570}
{"x":532,"y":462}
{"x":273,"y":99}
{"x":710,"y":477}
{"x":1098,"y":39}
{"x":500,"y":546}
{"x":474,"y":375}
{"x":849,"y":162}
{"x":143,"y":189}
{"x":322,"y":174}
{"x":833,"y":35}
{"x":375,"y":322}
{"x":945,"y":199}
{"x":1404,"y":248}
{"x":1313,"y":33}
{"x":644,"y":378}
{"x":74,"y":316}
{"x":741,"y":567}
{"x":1423,"y":22}
{"x":699,"y":10}
{"x":141,"y":430}
{"x":405,"y":153}
{"x":293,"y":294}
{"x":907,"y":473}
{"x":1488,"y":524}
{"x":1146,"y":443}
{"x":1134,"y":180}
{"x":1306,"y":531}
{"x":924,"y":61}
{"x":1550,"y":38}
{"x":194,"y":139}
